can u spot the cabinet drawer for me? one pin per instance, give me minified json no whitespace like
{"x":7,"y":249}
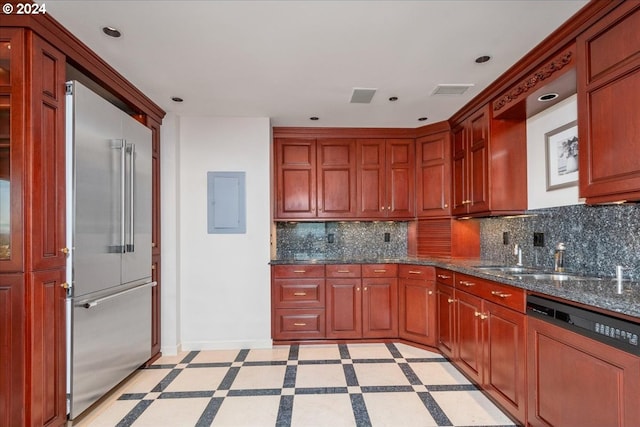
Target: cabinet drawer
{"x":444,"y":276}
{"x":303,"y":270}
{"x":298,"y":293}
{"x":380,"y":270}
{"x":497,"y":293}
{"x":343,"y":270}
{"x":298,"y":324}
{"x":416,"y":272}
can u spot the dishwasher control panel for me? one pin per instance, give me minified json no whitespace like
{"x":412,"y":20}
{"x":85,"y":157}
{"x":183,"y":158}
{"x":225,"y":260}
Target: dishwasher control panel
{"x":610,"y":330}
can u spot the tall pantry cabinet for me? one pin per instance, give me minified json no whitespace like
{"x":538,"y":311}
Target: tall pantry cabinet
{"x":34,"y":54}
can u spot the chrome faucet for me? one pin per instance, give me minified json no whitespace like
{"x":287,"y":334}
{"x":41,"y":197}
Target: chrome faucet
{"x":517,"y":250}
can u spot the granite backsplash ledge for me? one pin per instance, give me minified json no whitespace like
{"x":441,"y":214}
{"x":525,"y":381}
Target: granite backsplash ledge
{"x":597,"y":238}
{"x":340,"y":240}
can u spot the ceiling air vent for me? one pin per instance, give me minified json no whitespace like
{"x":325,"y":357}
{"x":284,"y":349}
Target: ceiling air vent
{"x":362,"y":95}
{"x":454,"y":89}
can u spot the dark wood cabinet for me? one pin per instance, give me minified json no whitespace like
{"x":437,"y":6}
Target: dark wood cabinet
{"x":315,"y":178}
{"x":489,"y":165}
{"x":295,"y":176}
{"x":362,"y":301}
{"x":446,"y":313}
{"x":336,"y":178}
{"x":608,"y":84}
{"x":386,"y":178}
{"x":417,"y":304}
{"x":481,"y":328}
{"x":12,"y":349}
{"x":433,"y":175}
{"x":470,"y":163}
{"x":46,"y":370}
{"x":297,"y":302}
{"x":577,"y":381}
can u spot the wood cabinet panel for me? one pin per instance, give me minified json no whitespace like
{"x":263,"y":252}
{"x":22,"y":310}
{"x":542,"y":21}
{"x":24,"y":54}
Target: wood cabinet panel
{"x":292,"y":324}
{"x":446,"y":307}
{"x":295,"y":163}
{"x":344,"y":308}
{"x":46,"y":373}
{"x":400,"y":190}
{"x":12,"y":333}
{"x":574,"y":380}
{"x":470,"y":335}
{"x":505,"y":358}
{"x":295,"y":271}
{"x":336,"y":178}
{"x":371,"y":177}
{"x":608,"y":81}
{"x":433,"y":175}
{"x":156,"y":186}
{"x":380,"y":307}
{"x":417,"y":311}
{"x":47,"y":155}
{"x":298,"y":293}
{"x":380,"y":270}
{"x":505,"y":295}
{"x":343,"y":270}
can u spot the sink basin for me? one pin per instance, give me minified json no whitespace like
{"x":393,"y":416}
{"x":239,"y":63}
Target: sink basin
{"x":505,"y":268}
{"x":555,"y":276}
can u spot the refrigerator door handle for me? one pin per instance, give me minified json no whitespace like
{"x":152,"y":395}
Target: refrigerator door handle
{"x":96,"y":302}
{"x":131,"y":149}
{"x":120,"y":144}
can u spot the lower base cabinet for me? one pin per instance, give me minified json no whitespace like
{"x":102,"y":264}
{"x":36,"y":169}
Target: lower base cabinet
{"x":577,"y":381}
{"x":417,"y":304}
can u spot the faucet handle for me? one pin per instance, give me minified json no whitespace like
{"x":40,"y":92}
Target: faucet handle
{"x":516,"y":249}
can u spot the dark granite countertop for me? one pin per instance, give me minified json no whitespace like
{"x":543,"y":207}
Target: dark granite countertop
{"x":600,"y":293}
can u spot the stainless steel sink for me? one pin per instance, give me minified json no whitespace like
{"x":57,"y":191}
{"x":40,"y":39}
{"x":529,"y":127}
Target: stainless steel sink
{"x":505,"y":269}
{"x":555,"y":276}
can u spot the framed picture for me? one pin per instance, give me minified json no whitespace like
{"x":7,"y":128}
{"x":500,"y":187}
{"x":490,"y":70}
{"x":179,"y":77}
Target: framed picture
{"x":561,"y":147}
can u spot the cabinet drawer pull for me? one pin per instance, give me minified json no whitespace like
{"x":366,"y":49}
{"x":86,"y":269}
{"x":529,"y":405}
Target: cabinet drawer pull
{"x":299,"y":294}
{"x":466,"y":202}
{"x":299,"y":324}
{"x":500,"y":294}
{"x":415,"y":272}
{"x":467,"y":284}
{"x":344,"y":271}
{"x":299,"y":271}
{"x":380,"y":271}
{"x":443,"y":276}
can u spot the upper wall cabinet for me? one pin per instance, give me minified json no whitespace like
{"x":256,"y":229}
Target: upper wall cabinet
{"x":315,"y":178}
{"x":433,"y":175}
{"x":489,"y":165}
{"x":608,"y":105}
{"x":386,"y":178}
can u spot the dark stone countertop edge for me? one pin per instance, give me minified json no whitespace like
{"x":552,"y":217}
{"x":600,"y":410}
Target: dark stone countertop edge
{"x":601,"y":294}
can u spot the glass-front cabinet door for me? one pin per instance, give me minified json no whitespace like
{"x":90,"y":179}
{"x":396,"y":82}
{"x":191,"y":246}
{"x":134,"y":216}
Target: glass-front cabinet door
{"x":11,"y":82}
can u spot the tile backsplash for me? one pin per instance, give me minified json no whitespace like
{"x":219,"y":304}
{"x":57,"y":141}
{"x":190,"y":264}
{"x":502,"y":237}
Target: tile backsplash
{"x":358,"y":240}
{"x":597,"y":238}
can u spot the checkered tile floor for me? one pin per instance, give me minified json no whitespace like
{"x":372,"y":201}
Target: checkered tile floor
{"x":312,"y":385}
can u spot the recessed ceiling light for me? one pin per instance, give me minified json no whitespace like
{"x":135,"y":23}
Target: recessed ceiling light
{"x":547,"y":97}
{"x":422,"y":119}
{"x":176,"y":99}
{"x":314,"y":118}
{"x":482,"y":59}
{"x":112,"y":32}
{"x":393,"y":98}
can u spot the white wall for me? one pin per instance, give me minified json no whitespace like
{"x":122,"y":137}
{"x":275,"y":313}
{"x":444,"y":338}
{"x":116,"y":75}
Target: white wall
{"x":223,"y":281}
{"x":543,"y":122}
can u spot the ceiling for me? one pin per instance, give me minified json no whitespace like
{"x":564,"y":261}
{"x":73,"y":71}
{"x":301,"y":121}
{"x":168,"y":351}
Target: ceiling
{"x":291,"y":60}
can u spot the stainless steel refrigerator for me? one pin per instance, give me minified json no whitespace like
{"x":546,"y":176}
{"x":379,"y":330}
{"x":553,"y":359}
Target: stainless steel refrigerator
{"x":109,"y":197}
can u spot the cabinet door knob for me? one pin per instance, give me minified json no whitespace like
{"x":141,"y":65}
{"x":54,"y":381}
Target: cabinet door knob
{"x":64,"y":285}
{"x":65,"y":251}
{"x":450,"y":300}
{"x":430,"y":292}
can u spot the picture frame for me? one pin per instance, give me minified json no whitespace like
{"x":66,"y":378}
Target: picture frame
{"x":561,"y":147}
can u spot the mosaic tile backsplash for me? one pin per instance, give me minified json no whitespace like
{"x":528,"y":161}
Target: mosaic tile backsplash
{"x":339,"y":240}
{"x":597,"y":238}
